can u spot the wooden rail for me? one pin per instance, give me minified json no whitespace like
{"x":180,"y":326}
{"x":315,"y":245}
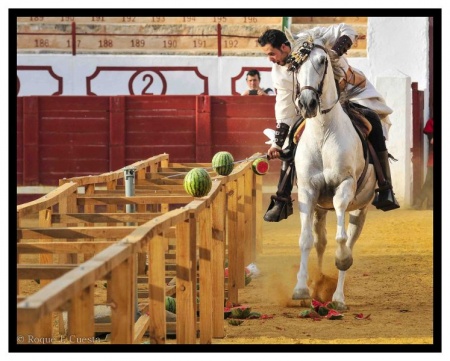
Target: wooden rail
{"x":85,"y":236}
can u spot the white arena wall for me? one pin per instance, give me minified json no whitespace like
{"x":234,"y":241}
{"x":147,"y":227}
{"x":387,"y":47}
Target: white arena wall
{"x":397,"y":55}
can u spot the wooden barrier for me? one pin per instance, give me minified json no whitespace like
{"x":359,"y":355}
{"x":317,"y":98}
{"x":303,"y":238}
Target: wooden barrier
{"x":89,"y":133}
{"x":86,"y":217}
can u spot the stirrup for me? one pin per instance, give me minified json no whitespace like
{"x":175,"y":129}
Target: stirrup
{"x":385,"y":199}
{"x":279,"y":209}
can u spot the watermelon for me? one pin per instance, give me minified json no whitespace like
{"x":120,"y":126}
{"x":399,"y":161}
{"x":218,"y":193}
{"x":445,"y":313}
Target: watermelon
{"x":171,"y":304}
{"x":223,"y":163}
{"x":240,"y":312}
{"x":248,"y":279}
{"x":260,"y":166}
{"x":197,"y":182}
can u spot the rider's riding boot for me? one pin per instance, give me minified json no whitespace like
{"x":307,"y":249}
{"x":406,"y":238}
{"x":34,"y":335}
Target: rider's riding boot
{"x":384,"y":195}
{"x":281,"y":204}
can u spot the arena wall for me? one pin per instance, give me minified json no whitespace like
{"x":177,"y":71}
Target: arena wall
{"x":137,"y":74}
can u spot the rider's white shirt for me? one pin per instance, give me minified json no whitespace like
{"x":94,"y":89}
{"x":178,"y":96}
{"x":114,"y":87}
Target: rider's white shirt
{"x":283,"y":82}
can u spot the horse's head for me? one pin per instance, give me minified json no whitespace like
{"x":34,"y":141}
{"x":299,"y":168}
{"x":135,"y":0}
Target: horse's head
{"x":310,"y":64}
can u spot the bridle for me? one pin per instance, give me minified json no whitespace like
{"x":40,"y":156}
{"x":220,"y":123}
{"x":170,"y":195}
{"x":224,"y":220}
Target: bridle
{"x":297,"y":59}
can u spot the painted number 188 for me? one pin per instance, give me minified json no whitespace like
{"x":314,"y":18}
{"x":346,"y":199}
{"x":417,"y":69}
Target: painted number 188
{"x":41,"y":43}
{"x":105,"y":43}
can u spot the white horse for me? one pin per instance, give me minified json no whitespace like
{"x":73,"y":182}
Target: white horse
{"x":329,"y":162}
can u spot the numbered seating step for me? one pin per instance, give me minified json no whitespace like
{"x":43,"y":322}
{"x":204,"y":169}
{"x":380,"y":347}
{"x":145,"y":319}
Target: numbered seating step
{"x":359,"y":49}
{"x":143,"y":35}
{"x":164,"y":35}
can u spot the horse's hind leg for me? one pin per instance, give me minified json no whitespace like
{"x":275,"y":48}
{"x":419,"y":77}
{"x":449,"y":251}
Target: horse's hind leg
{"x":355,"y":226}
{"x":344,"y":194}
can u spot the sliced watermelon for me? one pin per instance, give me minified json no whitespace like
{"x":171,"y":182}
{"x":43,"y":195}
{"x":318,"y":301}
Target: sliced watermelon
{"x":260,"y":166}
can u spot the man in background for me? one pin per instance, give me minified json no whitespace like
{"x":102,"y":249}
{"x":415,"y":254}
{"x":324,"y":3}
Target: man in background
{"x":253,"y":80}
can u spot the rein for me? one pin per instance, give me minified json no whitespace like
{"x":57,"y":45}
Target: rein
{"x":318,"y":92}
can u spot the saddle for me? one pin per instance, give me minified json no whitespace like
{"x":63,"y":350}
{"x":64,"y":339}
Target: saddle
{"x":363,"y":127}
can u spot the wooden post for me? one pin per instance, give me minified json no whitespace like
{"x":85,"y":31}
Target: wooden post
{"x":219,"y":209}
{"x":249,"y":249}
{"x":68,"y":205}
{"x":232,"y":233}
{"x":186,"y":280}
{"x":240,"y":250}
{"x":156,"y":290}
{"x":89,"y":208}
{"x":81,"y":317}
{"x":153,"y":169}
{"x":257,"y":216}
{"x":27,"y":331}
{"x":123,"y":281}
{"x":205,"y":292}
{"x":45,"y":220}
{"x":142,"y":208}
{"x":111,"y":208}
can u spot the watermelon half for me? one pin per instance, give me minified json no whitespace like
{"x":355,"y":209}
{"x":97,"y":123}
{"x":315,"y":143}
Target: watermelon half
{"x":223,"y":163}
{"x":197,"y":182}
{"x":260,"y":166}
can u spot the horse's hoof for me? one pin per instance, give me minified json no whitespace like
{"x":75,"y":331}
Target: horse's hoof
{"x":340,"y":306}
{"x":301,"y":294}
{"x":343,"y":264}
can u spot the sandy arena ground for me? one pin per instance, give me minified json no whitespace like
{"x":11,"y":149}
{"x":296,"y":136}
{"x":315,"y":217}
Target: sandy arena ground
{"x":391,"y":280}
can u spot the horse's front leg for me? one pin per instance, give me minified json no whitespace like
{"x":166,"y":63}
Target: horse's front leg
{"x":306,"y":242}
{"x":320,"y":234}
{"x":342,"y":198}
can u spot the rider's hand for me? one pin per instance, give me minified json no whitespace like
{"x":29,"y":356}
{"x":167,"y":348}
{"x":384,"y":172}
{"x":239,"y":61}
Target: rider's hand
{"x":273,"y":153}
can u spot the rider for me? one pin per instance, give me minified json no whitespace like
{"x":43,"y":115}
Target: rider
{"x":337,"y":38}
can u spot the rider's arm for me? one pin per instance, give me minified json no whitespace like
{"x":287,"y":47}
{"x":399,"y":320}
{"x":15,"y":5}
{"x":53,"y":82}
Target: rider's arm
{"x":285,"y":112}
{"x":345,"y":36}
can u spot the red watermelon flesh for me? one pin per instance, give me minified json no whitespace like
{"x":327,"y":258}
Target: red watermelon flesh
{"x":260,"y":166}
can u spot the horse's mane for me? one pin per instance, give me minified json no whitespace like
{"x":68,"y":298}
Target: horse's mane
{"x":316,"y":35}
